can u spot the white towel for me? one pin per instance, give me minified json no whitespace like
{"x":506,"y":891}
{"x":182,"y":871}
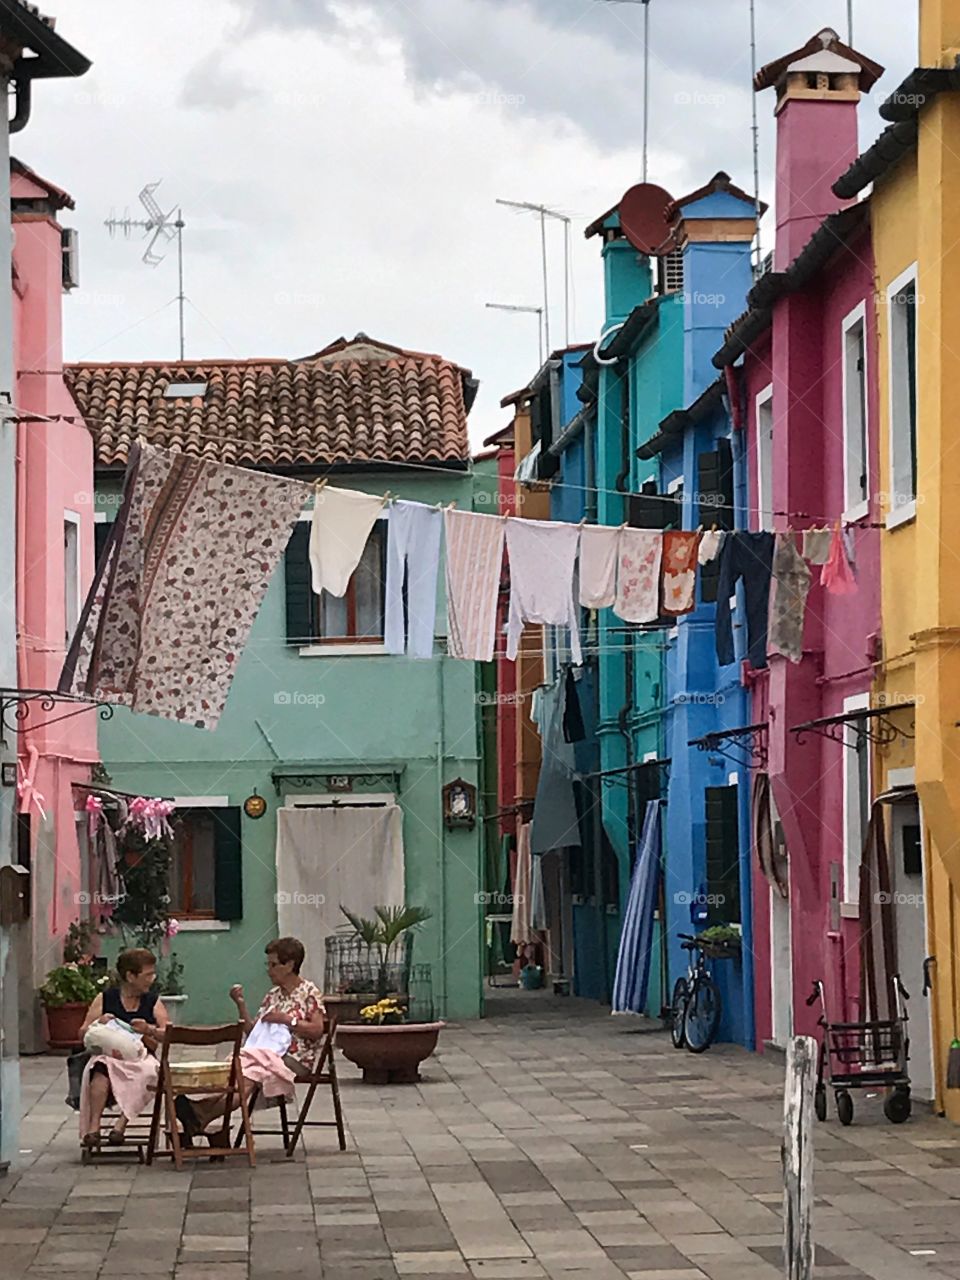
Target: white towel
{"x":341,"y":525}
{"x":474,"y":559}
{"x":710,"y":544}
{"x":638,"y":577}
{"x":599,"y":545}
{"x":542,"y":556}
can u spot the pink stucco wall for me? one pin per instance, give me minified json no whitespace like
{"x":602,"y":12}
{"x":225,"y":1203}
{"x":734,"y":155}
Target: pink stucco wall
{"x":54,"y":476}
{"x":801,"y":357}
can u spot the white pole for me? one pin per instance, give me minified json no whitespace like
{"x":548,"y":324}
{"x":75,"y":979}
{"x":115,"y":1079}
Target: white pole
{"x":850,"y":23}
{"x":756,"y":135}
{"x":566,"y":282}
{"x":797,"y":1153}
{"x":646,"y":81}
{"x":179,"y":225}
{"x":543,"y":255}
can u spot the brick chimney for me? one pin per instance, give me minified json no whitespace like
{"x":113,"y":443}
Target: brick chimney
{"x":818,"y":88}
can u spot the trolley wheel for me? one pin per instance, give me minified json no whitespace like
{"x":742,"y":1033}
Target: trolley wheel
{"x":844,"y":1107}
{"x":897,"y":1106}
{"x":677,"y":1006}
{"x":820,"y":1102}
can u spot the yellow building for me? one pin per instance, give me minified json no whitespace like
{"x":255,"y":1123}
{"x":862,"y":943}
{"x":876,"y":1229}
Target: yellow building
{"x":915,"y":213}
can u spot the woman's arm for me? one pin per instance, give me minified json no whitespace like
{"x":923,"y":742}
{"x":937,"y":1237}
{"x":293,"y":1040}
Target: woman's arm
{"x":237,"y":996}
{"x":311,"y":1028}
{"x":93,"y":1014}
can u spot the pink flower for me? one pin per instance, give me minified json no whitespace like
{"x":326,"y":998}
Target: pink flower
{"x":173,"y":928}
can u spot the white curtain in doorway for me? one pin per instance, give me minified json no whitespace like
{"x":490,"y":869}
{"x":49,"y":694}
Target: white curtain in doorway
{"x":335,"y":854}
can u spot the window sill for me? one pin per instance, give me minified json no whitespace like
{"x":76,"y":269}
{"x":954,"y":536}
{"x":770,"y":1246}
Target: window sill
{"x":201,"y":924}
{"x":855,"y":513}
{"x":363,"y":650}
{"x":902,"y":515}
{"x":849,"y":911}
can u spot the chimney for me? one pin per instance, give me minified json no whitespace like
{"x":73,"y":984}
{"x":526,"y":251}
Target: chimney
{"x":818,"y":88}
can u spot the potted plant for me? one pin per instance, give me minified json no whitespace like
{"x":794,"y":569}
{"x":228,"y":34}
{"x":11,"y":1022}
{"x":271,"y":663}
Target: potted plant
{"x":170,"y":987}
{"x":386,"y":1047}
{"x":720,"y":942}
{"x":66,"y":995}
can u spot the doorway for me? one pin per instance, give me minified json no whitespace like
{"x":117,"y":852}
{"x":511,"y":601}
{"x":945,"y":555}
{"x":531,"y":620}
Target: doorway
{"x":781,"y":941}
{"x":907,"y":884}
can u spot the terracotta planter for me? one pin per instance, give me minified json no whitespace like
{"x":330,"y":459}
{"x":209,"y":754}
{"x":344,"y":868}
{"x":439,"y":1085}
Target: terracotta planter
{"x":389,"y":1054}
{"x":63,"y":1025}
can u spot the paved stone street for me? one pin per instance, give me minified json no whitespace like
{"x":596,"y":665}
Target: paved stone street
{"x":548,"y":1140}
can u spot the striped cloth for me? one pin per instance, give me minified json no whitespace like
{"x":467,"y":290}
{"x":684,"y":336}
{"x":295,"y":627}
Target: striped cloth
{"x":636,"y":937}
{"x":473,"y":563}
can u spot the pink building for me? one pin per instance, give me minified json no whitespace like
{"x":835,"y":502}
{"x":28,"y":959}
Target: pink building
{"x":807,"y":344}
{"x":55,"y":560}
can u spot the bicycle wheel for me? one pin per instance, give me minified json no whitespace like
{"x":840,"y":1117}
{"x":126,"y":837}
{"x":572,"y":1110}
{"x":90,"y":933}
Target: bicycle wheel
{"x":677,"y":1006}
{"x":702,"y":1014}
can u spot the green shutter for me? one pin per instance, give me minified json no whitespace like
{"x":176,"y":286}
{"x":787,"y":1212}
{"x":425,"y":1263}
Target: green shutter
{"x":296,"y":567}
{"x":228,"y":864}
{"x":101,"y":535}
{"x":723,"y":853}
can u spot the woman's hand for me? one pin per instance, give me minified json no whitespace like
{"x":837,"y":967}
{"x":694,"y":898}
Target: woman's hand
{"x":142,"y":1027}
{"x":105,"y":1017}
{"x":275,"y":1015}
{"x":236,"y":994}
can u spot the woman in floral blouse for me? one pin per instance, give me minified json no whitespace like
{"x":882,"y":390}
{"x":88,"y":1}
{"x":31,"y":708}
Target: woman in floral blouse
{"x":293,"y":1001}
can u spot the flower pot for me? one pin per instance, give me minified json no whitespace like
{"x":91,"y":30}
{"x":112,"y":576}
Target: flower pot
{"x":389,"y":1054}
{"x":174,"y":1006}
{"x":63,"y":1025}
{"x":345,"y":1007}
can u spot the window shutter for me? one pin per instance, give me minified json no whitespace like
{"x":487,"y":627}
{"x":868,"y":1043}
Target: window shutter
{"x":228,"y":864}
{"x":715,"y":486}
{"x":101,"y":536}
{"x":647,"y":509}
{"x":299,"y":587}
{"x":723,"y":853}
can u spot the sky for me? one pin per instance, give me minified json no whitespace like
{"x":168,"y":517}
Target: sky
{"x":338,"y":162}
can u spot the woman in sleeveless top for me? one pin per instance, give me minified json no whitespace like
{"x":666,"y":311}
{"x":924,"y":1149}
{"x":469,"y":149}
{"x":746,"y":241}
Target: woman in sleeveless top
{"x":109,"y":1080}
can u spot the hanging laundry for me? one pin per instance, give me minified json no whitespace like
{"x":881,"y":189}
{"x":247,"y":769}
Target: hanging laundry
{"x":636,"y":936}
{"x":538,"y":902}
{"x":836,"y":575}
{"x":789,"y":585}
{"x":413,"y":550}
{"x":850,"y":544}
{"x":816,"y":545}
{"x":638,"y":575}
{"x":521,"y":930}
{"x":556,"y":823}
{"x":341,"y":524}
{"x":710,"y":544}
{"x":748,"y":556}
{"x":679,"y":571}
{"x":599,"y":546}
{"x":474,"y":546}
{"x":180,"y":584}
{"x":542,"y":556}
{"x":573,"y":728}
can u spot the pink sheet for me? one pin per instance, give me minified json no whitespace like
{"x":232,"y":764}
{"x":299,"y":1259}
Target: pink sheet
{"x":132,"y":1085}
{"x":267,"y":1069}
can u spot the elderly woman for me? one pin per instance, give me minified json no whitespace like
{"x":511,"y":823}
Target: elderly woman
{"x":292,"y":1001}
{"x":113,"y":1080}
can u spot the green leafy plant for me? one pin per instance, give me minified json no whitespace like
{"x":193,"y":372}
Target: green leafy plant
{"x":143,"y":910}
{"x":72,"y":983}
{"x":170,"y":977}
{"x":386,"y":934}
{"x":77,"y":942}
{"x":720,"y":935}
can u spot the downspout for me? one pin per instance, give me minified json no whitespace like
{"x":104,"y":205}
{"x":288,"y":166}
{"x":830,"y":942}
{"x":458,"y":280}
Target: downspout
{"x":738,"y":451}
{"x":441,"y":849}
{"x":622,"y":717}
{"x":24,"y":86}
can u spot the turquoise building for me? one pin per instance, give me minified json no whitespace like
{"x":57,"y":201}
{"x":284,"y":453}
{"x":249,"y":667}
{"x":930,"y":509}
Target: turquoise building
{"x":318,"y":713}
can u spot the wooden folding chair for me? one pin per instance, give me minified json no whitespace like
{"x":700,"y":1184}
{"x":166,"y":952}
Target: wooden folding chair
{"x":167,"y":1093}
{"x":325,"y":1072}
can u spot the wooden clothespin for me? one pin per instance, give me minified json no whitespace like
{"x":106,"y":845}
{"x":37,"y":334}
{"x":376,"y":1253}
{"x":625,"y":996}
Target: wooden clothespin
{"x":320,"y":484}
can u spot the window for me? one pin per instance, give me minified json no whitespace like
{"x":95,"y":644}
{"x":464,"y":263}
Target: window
{"x":71,"y":574}
{"x":856,"y":489}
{"x":764,"y":426}
{"x":856,"y":799}
{"x":902,"y":324}
{"x":205,"y":864}
{"x":184,"y":390}
{"x":715,"y":507}
{"x":354,"y":618}
{"x":723,"y":854}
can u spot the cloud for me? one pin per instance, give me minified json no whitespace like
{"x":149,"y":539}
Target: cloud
{"x":211,"y":86}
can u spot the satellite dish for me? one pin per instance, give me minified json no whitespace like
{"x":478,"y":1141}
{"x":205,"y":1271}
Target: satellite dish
{"x":643,"y":219}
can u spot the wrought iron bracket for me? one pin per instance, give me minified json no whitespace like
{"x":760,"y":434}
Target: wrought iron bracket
{"x":338,"y":779}
{"x":744,"y":746}
{"x":872,"y":724}
{"x":18,"y":708}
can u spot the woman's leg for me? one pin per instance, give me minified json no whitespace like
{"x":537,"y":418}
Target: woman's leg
{"x":209,"y":1109}
{"x":99,"y":1093}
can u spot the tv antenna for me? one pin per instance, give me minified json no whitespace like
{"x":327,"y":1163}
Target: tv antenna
{"x":165,"y":227}
{"x":545,"y":213}
{"x":532,"y":311}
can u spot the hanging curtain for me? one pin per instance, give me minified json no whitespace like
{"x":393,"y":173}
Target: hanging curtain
{"x":521,"y":929}
{"x":636,"y":937}
{"x":878,"y":946}
{"x":769,"y":858}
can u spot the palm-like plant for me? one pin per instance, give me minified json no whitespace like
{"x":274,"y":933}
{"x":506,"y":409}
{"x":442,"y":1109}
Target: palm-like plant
{"x":385,"y":933}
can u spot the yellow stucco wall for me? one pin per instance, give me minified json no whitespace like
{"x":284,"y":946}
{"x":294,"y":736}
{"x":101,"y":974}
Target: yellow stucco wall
{"x":915,"y":215}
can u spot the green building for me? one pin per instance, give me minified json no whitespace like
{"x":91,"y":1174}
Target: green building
{"x":318,"y":714}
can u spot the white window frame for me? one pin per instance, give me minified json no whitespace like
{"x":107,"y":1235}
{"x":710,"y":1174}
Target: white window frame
{"x":904,"y":512}
{"x":855,"y":393}
{"x":764,"y":513}
{"x":854,"y":830}
{"x":71,"y":518}
{"x":198,"y":924}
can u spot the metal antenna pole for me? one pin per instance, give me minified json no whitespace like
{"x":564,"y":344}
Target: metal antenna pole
{"x":545,"y":213}
{"x":532,"y":311}
{"x":758,"y":254}
{"x":543,"y":255}
{"x":165,"y":228}
{"x":850,"y":23}
{"x":179,"y":226}
{"x":646,"y":81}
{"x":566,"y":282}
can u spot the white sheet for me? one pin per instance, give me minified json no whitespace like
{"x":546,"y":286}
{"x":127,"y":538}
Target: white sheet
{"x":269,"y":1035}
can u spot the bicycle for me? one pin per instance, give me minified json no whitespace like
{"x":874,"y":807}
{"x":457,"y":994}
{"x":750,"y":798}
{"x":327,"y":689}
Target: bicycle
{"x":696,"y":1005}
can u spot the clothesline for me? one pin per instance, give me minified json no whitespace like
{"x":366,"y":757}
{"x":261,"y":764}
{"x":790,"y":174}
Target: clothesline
{"x":447,"y":471}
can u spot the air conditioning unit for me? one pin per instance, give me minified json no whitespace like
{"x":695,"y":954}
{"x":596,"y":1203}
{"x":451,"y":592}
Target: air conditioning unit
{"x":69,"y":258}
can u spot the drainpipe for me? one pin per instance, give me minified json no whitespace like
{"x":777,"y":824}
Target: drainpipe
{"x":738,"y":451}
{"x":441,"y":849}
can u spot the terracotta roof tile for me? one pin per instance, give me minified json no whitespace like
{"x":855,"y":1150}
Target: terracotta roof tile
{"x":355,"y":401}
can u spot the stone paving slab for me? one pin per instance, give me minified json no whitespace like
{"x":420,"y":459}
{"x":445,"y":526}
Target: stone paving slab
{"x":547,"y":1142}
